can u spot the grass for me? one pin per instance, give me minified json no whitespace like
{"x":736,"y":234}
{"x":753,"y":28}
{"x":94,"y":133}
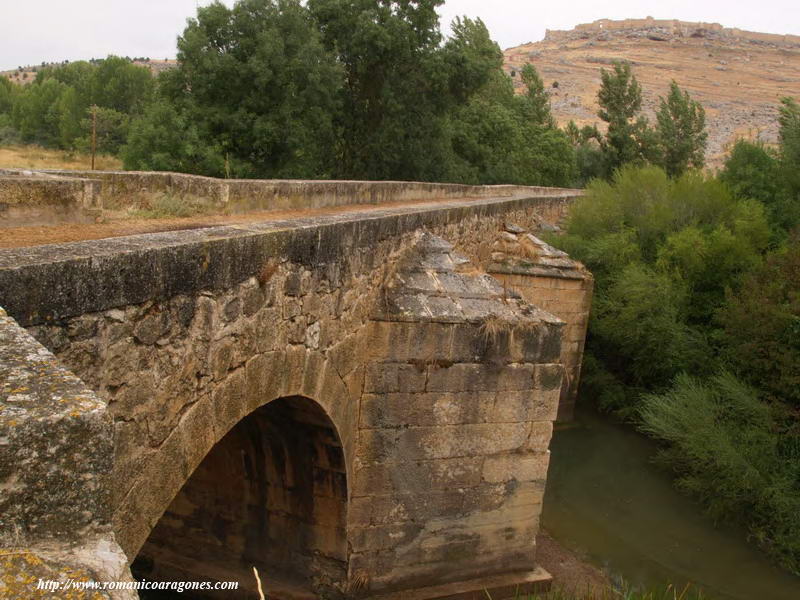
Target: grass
{"x":166,"y":205}
{"x":36,"y":157}
{"x":668,"y":593}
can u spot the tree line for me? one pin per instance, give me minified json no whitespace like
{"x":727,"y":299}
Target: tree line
{"x":54,"y":110}
{"x":353,"y":89}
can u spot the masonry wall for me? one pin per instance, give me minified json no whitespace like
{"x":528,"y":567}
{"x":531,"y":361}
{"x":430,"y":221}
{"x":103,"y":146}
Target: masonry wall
{"x":271,"y":494}
{"x":54,"y":510}
{"x":570,"y":299}
{"x":452,"y":456}
{"x":121,"y":189}
{"x":185,"y":334}
{"x":46,"y":200}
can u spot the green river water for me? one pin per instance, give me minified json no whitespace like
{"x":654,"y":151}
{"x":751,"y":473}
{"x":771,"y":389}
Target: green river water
{"x":608,"y":501}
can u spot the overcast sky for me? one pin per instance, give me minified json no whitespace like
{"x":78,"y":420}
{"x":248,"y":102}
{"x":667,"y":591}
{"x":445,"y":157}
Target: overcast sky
{"x":33,"y":31}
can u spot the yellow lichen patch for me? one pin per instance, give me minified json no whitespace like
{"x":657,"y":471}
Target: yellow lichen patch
{"x":23,"y":574}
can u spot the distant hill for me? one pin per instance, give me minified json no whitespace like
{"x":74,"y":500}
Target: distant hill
{"x":738,"y":75}
{"x":24,"y":75}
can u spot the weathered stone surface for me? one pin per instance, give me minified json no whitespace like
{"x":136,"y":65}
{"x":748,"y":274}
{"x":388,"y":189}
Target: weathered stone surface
{"x":53,"y":481}
{"x":85,"y":568}
{"x":456,"y":458}
{"x":438,"y":384}
{"x":548,"y":278}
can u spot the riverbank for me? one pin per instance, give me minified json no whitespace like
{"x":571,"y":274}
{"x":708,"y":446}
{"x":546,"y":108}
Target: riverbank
{"x":571,"y":572}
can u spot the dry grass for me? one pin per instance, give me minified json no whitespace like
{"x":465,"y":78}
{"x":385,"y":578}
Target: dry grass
{"x":494,"y":327}
{"x":36,"y":157}
{"x":668,"y":592}
{"x":268,"y":269}
{"x":167,"y":205}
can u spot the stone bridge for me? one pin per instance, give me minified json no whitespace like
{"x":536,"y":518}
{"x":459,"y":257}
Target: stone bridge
{"x":349,"y":403}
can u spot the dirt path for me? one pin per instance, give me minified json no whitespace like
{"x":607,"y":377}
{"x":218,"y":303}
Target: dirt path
{"x":17,"y":237}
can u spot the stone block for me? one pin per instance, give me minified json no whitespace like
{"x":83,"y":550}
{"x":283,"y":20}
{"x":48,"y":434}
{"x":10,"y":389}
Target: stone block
{"x":220,"y":357}
{"x":520,"y":467}
{"x":197,"y":436}
{"x":413,"y":476}
{"x":151,"y":328}
{"x":480,"y":377}
{"x":394,"y":377}
{"x":540,"y":436}
{"x":548,"y":377}
{"x":447,"y":441}
{"x":409,"y":341}
{"x":416,"y":508}
{"x":382,"y":537}
{"x":228,"y":401}
{"x":264,"y":379}
{"x":432,"y":408}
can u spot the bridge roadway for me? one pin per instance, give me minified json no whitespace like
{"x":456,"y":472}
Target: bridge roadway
{"x":118,"y":226}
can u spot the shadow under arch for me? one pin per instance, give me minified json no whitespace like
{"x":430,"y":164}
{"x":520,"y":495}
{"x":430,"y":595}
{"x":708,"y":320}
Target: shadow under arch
{"x":271,"y":494}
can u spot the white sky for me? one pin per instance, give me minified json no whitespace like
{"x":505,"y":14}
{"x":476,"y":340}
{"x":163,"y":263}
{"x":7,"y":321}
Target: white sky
{"x":32,"y":31}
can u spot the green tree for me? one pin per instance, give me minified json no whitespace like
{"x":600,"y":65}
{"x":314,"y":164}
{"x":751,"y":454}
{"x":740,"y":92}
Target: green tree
{"x":165,"y":139}
{"x":111,"y":128}
{"x":401,"y":83}
{"x":628,"y":137}
{"x":495,"y":140}
{"x":536,"y":102}
{"x":396,"y":89}
{"x":755,"y":171}
{"x":7,"y":93}
{"x":260,"y":89}
{"x":36,"y":112}
{"x":70,"y":116}
{"x":471,"y":58}
{"x":589,"y":158}
{"x":120,"y":85}
{"x":789,"y":134}
{"x":681,"y":132}
{"x":762,"y":326}
{"x":752,"y":171}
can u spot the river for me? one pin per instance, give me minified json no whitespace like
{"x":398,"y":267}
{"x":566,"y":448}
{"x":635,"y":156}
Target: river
{"x":606,"y":500}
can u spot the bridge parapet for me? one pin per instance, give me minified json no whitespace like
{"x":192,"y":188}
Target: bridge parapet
{"x":45,"y":197}
{"x":56,"y":451}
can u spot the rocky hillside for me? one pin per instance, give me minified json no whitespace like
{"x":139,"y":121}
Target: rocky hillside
{"x":738,"y":75}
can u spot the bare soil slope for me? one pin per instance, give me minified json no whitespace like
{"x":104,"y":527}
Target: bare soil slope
{"x":738,"y":76}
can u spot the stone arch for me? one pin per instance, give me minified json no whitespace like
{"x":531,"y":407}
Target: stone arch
{"x":271,"y":494}
{"x":262,"y":380}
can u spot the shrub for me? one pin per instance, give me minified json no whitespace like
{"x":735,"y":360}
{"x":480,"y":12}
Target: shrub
{"x":726,"y":447}
{"x":762,"y":326}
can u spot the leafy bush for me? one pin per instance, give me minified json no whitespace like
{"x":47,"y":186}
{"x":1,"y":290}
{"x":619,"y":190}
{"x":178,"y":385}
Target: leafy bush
{"x":762,"y":326}
{"x":755,"y":171}
{"x":663,"y":252}
{"x":727,"y":449}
